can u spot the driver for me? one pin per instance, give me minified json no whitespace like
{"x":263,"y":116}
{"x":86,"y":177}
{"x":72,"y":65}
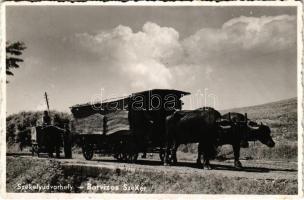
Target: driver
{"x":46,"y":119}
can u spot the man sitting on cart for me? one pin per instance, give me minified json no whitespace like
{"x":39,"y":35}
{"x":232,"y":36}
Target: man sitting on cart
{"x":46,"y":119}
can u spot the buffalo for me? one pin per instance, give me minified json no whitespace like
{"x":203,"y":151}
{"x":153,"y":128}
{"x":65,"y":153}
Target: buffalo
{"x":239,"y":131}
{"x":197,"y":126}
{"x":208,"y":128}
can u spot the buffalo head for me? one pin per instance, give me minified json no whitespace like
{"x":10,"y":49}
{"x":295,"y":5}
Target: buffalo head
{"x":260,"y":132}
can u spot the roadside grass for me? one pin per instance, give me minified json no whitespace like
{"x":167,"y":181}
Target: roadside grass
{"x":282,"y":151}
{"x":28,"y":171}
{"x":256,"y":151}
{"x":13,"y":148}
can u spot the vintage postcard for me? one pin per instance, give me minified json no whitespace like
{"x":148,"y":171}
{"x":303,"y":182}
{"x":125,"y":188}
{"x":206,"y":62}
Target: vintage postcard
{"x":107,"y":99}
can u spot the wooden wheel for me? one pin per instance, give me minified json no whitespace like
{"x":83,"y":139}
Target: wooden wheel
{"x":132,"y":157}
{"x":162,"y":156}
{"x":87,"y":151}
{"x":126,"y":157}
{"x":126,"y":151}
{"x":119,"y":156}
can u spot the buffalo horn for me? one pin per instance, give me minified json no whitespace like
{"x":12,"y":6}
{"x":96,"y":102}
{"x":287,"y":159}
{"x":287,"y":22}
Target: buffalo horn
{"x":225,"y":127}
{"x":253,"y":127}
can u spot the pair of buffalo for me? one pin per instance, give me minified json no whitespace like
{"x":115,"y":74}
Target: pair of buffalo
{"x":207,"y":127}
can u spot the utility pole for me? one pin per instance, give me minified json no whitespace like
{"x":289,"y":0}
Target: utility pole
{"x":47,"y":101}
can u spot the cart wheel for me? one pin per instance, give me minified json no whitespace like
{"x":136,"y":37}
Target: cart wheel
{"x":162,"y":156}
{"x":131,"y":157}
{"x":134,"y":157}
{"x":88,"y":152}
{"x":125,"y":157}
{"x":119,"y":156}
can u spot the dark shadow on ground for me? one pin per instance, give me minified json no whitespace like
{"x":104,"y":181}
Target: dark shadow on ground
{"x":19,"y":154}
{"x":217,"y":166}
{"x":194,"y":165}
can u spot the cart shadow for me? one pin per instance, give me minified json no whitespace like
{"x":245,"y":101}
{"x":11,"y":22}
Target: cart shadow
{"x":217,"y":166}
{"x":227,"y":167}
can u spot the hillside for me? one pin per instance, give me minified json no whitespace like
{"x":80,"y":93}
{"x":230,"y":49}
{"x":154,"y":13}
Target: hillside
{"x":269,"y":110}
{"x":281,"y":116}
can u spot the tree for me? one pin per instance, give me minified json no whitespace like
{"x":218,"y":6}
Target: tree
{"x":13,"y":53}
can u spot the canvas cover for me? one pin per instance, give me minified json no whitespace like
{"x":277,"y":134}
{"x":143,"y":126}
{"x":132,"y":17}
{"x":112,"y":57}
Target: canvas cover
{"x":92,"y":124}
{"x":117,"y":121}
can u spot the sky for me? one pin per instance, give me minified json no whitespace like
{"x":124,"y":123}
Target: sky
{"x":225,"y":56}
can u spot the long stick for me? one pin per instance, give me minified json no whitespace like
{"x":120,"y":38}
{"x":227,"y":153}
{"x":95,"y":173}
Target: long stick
{"x":47,"y":101}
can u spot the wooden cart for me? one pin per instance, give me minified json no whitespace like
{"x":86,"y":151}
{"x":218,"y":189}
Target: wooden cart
{"x":47,"y":139}
{"x":126,"y":126}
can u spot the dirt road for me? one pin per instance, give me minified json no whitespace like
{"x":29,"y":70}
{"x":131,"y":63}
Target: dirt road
{"x":252,"y":169}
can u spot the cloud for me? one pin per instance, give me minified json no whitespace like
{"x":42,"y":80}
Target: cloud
{"x":242,"y":36}
{"x":277,"y":32}
{"x":143,"y":57}
{"x":155,"y":57}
